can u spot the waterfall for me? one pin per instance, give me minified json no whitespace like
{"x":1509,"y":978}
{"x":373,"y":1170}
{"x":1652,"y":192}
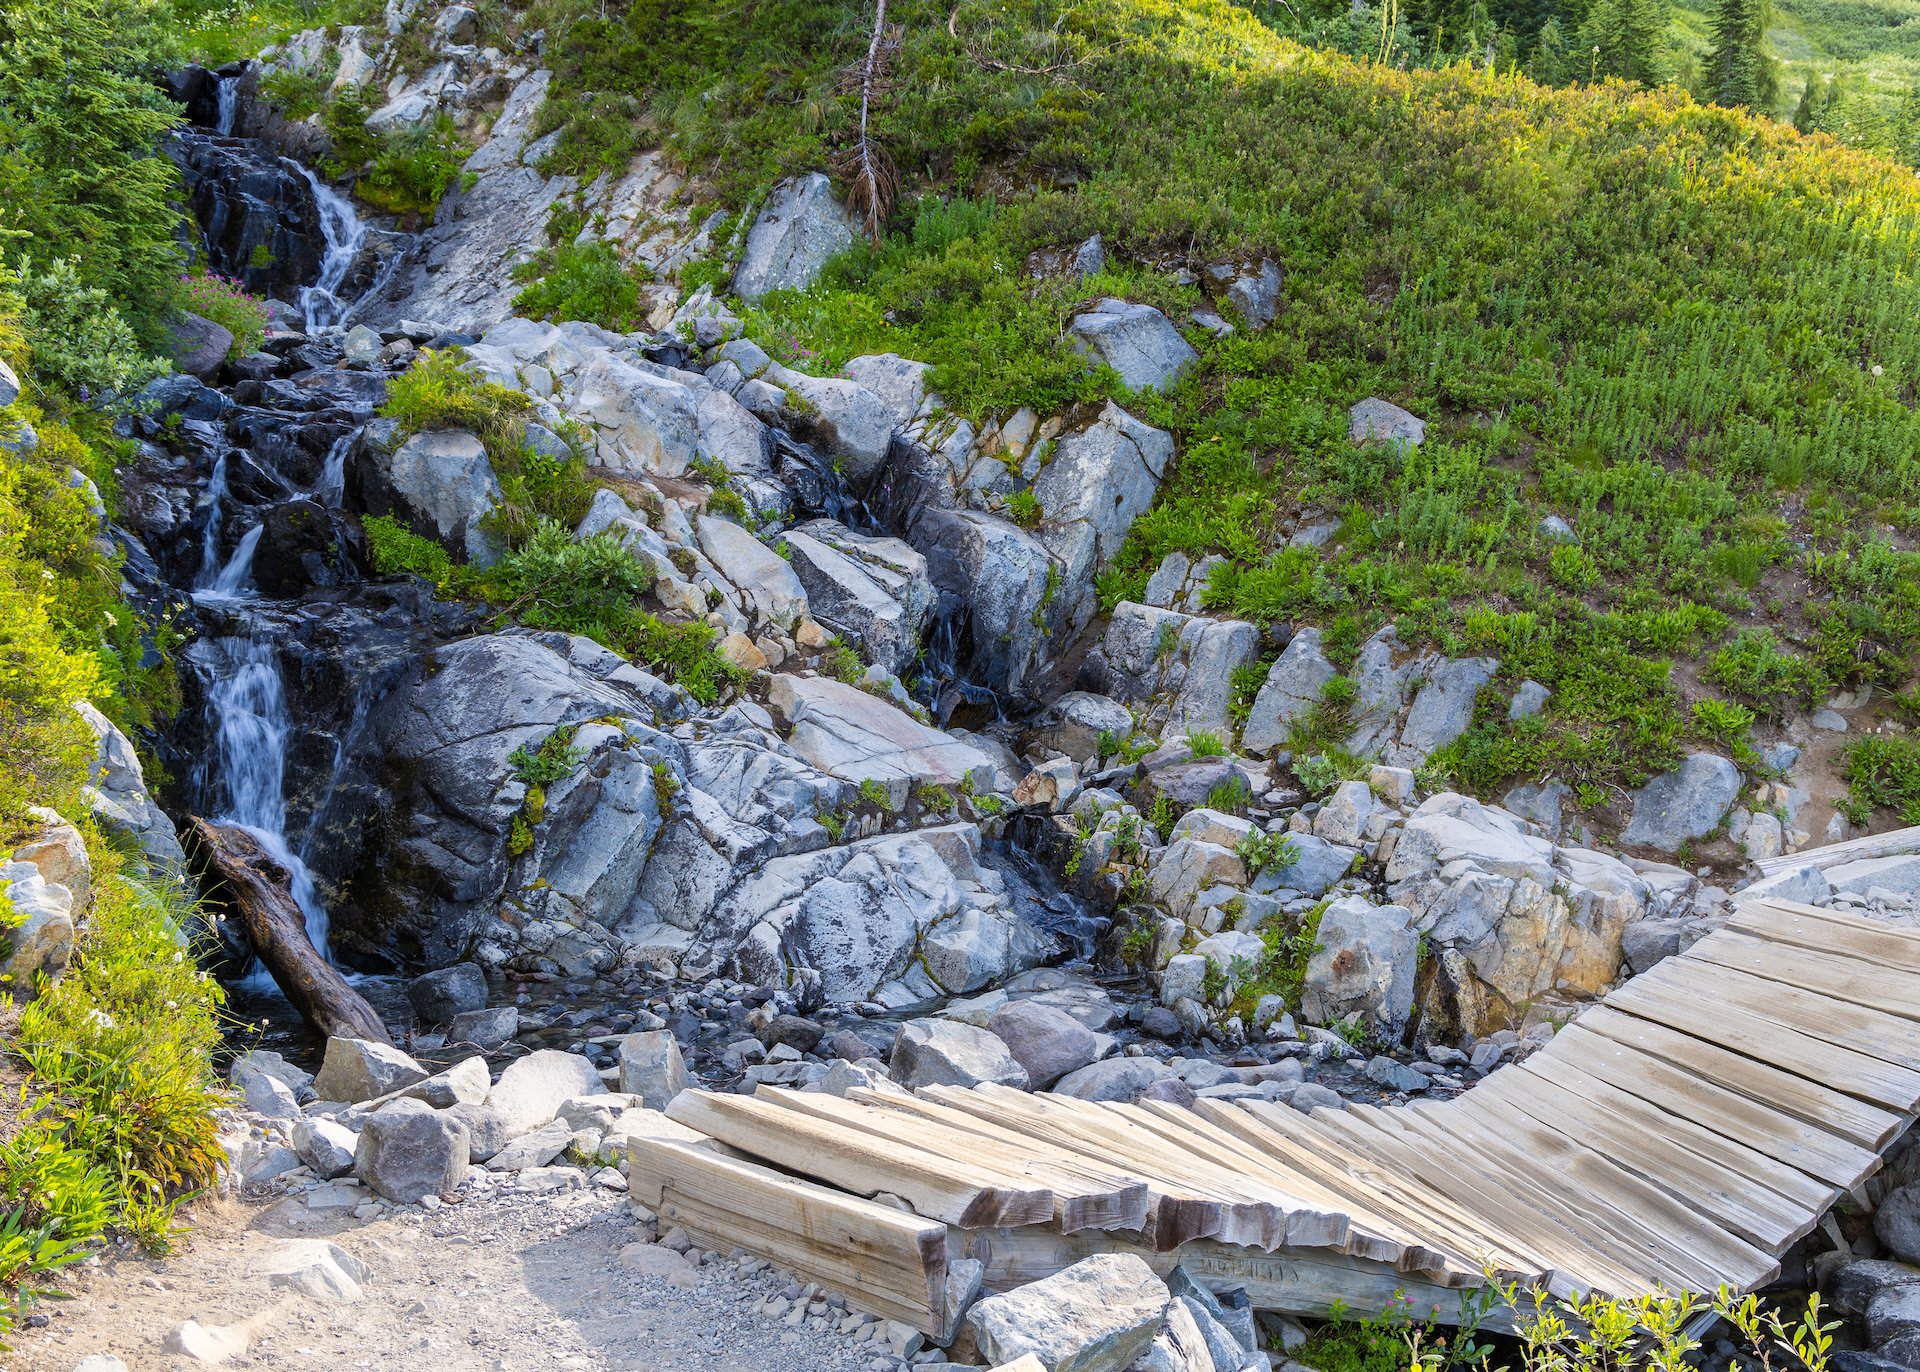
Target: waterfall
{"x":210,"y":568}
{"x":247,"y":707}
{"x":228,"y":94}
{"x":345,"y":235}
{"x":232,"y":581}
{"x":332,"y":485}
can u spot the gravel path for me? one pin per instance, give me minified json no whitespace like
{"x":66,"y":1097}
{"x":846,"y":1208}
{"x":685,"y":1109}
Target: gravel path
{"x":498,"y":1283}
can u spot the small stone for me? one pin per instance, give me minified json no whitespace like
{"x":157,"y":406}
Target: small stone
{"x":440,"y":995}
{"x":661,"y":1263}
{"x":408,"y":1150}
{"x":317,"y":1269}
{"x":325,"y":1146}
{"x":206,"y":1343}
{"x":1098,"y":1315}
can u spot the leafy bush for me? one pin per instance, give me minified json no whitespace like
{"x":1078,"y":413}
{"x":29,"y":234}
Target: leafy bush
{"x":79,"y":340}
{"x":1205,"y":743}
{"x":1721,"y":720}
{"x":1758,"y":669}
{"x":397,"y":551}
{"x":554,"y":760}
{"x":1884,"y":771}
{"x":1262,"y":851}
{"x":582,"y":281}
{"x":412,"y":169}
{"x":227,"y":304}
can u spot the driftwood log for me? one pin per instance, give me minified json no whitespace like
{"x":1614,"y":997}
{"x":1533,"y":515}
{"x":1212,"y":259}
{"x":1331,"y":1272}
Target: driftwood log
{"x":259,"y":891}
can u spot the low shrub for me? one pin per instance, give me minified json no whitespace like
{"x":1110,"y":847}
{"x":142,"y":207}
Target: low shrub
{"x":582,"y":281}
{"x":227,"y":304}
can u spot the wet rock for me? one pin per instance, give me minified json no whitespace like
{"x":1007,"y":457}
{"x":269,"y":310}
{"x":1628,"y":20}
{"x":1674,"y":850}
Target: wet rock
{"x":440,"y":996}
{"x":1686,"y":803}
{"x":932,"y":1052}
{"x":841,"y":417}
{"x":1137,"y":341}
{"x":531,"y":1090}
{"x":1001,"y":573}
{"x":1099,"y":1315}
{"x":485,"y":1028}
{"x":359,"y":1069}
{"x":1046,"y":1042}
{"x":797,"y":230}
{"x":651,"y":1068}
{"x":407,"y":1151}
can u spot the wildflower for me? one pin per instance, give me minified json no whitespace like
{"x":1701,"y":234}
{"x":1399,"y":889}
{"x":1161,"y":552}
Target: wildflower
{"x":113,"y":620}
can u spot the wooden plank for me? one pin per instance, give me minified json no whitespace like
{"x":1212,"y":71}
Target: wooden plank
{"x":1255,"y":1215}
{"x":1878,"y":996}
{"x":1833,"y":854}
{"x":1479,"y":1226}
{"x":1081,"y":1200}
{"x":1397,"y":1203}
{"x":1817,"y":1060}
{"x":1868,"y":1126}
{"x":1757,"y":989}
{"x":1554,"y":1190}
{"x":1733,"y":1185}
{"x":882,"y":1259}
{"x":1305,"y":1281}
{"x":935,"y":1186}
{"x":1809,"y":926}
{"x":1807,"y":1148}
{"x":1183,"y":1208}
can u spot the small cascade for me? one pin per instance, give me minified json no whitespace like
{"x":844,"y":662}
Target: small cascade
{"x":345,"y":235}
{"x":210,"y":564}
{"x":818,"y":487}
{"x":331,"y":487}
{"x":233,"y":580}
{"x":227,"y":101}
{"x":940,"y":684}
{"x":247,"y":716}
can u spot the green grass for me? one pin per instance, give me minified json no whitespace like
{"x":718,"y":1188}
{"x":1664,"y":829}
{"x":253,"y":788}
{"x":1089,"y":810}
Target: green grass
{"x":118,"y":1128}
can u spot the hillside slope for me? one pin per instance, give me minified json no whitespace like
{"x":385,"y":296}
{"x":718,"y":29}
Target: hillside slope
{"x":1683,"y":330}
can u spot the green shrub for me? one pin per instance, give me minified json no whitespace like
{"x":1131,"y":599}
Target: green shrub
{"x":555,"y":759}
{"x":1262,"y":851}
{"x":227,"y":304}
{"x":1023,"y":508}
{"x":1721,"y":720}
{"x":1231,"y":795}
{"x":411,"y":170}
{"x":397,"y":551}
{"x":80,"y":341}
{"x":582,"y":281}
{"x":1884,"y":772}
{"x":1205,"y":743}
{"x":1758,"y":669}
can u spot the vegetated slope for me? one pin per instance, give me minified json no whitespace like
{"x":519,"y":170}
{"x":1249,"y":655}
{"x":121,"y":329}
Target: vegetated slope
{"x":1686,"y":330}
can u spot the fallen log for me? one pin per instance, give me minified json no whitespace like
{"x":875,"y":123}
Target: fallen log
{"x":259,"y":891}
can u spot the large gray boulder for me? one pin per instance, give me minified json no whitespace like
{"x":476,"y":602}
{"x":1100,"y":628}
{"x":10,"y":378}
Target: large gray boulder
{"x":1006,"y":579}
{"x":440,"y":995}
{"x":859,"y":737}
{"x":843,"y":418}
{"x":1442,"y":709}
{"x":800,"y":227}
{"x":198,"y":346}
{"x":9,"y":386}
{"x":939,"y":1052}
{"x":442,"y":483}
{"x":1113,"y":1079}
{"x":1099,"y":1315}
{"x":1047,"y":1042}
{"x":1099,"y":480}
{"x":359,"y":1069}
{"x":1684,"y":804}
{"x":1177,"y":669}
{"x":1293,"y":687}
{"x":1363,"y":964}
{"x":1074,"y":723}
{"x":532,"y":1089}
{"x":408,"y":1151}
{"x":651,"y":1068}
{"x":38,"y":939}
{"x":116,"y":793}
{"x":874,"y":591}
{"x":1137,"y":341}
{"x":772,"y":592}
{"x":897,"y":919}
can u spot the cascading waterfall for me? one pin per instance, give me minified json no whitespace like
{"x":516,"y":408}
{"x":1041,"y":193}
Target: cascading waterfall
{"x":247,"y":709}
{"x":227,"y":92}
{"x":210,"y":566}
{"x":345,"y":236}
{"x":331,"y":487}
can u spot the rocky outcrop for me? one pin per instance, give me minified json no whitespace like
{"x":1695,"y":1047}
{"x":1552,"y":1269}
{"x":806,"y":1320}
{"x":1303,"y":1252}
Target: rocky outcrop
{"x":872,"y":591}
{"x":117,"y":794}
{"x":441,"y":482}
{"x":1176,"y":669}
{"x":1137,"y":341}
{"x":1682,"y":805}
{"x":799,"y":228}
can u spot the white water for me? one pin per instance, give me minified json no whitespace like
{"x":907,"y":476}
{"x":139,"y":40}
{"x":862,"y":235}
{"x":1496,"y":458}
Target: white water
{"x":248,"y":707}
{"x":332,"y":485}
{"x":234,"y":578}
{"x":210,"y":568}
{"x":345,"y":235}
{"x":228,"y":95}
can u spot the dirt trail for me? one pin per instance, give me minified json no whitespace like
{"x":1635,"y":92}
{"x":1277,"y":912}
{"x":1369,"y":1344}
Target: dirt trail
{"x":494,"y":1284}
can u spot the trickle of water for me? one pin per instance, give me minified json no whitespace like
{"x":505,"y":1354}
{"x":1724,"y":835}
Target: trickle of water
{"x":210,"y":541}
{"x":332,"y":485}
{"x":345,"y":236}
{"x":247,"y":707}
{"x":235,"y":576}
{"x":227,"y":92}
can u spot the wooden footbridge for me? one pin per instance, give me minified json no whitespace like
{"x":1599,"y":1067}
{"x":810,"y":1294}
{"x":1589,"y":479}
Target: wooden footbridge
{"x":1680,"y":1135}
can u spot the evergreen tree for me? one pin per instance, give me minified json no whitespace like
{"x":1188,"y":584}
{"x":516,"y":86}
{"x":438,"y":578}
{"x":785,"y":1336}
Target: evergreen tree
{"x":81,"y":171}
{"x":1625,"y":38}
{"x":1552,"y":62}
{"x":1738,"y":70}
